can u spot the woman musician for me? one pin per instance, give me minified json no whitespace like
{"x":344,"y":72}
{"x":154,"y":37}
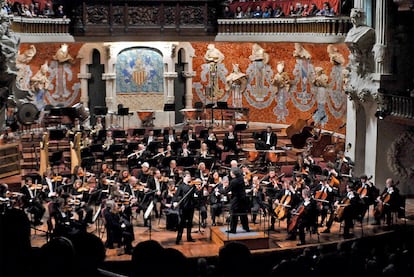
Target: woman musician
{"x":79,"y":195}
{"x":258,"y":199}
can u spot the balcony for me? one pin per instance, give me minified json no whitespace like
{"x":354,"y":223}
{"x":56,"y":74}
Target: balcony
{"x":32,"y":29}
{"x":290,"y":29}
{"x":399,"y":106}
{"x":146,"y":20}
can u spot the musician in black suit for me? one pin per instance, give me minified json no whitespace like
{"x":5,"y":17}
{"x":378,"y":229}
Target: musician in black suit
{"x":211,"y":140}
{"x":269,"y":139}
{"x":367,"y":192}
{"x":149,"y":137}
{"x":258,"y":199}
{"x":351,"y":208}
{"x":118,"y":227}
{"x":31,"y":203}
{"x":308,"y":217}
{"x":239,"y":202}
{"x":189,"y":136}
{"x":170,"y":137}
{"x":185,"y":202}
{"x":388,"y":201}
{"x":156,"y":187}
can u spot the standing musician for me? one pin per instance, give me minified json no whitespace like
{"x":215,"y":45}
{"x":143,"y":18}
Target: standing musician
{"x":285,"y":199}
{"x":305,"y":215}
{"x":230,"y":140}
{"x":201,"y":198}
{"x":387,"y":202}
{"x":118,"y":227}
{"x":80,"y":198}
{"x":367,"y":192}
{"x":238,"y":203}
{"x":348,"y":209}
{"x":258,"y":199}
{"x":184,"y":201}
{"x":30,"y":202}
{"x":216,"y":192}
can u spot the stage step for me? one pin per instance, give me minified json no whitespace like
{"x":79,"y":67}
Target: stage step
{"x":254,"y":239}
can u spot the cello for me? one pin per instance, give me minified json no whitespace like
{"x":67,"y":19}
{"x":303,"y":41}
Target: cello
{"x":283,"y":206}
{"x":294,"y":220}
{"x":319,"y":145}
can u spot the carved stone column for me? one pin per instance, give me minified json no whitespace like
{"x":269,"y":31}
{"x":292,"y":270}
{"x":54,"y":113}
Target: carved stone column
{"x":169,"y":78}
{"x":84,"y":98}
{"x":371,"y":140}
{"x":381,"y":57}
{"x":351,"y":128}
{"x":110,"y":99}
{"x":188,"y":75}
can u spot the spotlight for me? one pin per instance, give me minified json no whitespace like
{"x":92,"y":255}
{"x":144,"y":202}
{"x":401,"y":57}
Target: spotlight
{"x":380,"y":114}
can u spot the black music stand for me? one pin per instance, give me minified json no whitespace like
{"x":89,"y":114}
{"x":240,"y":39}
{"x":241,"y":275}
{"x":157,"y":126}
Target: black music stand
{"x":69,"y":112}
{"x":185,"y":161}
{"x":154,"y":146}
{"x":139,"y":132}
{"x":157,"y":132}
{"x":115,"y":151}
{"x":123,"y":112}
{"x":57,"y":134}
{"x":194,"y":144}
{"x":118,"y":134}
{"x":211,"y":107}
{"x":88,"y":162}
{"x":239,"y":128}
{"x":207,"y":161}
{"x":100,"y":110}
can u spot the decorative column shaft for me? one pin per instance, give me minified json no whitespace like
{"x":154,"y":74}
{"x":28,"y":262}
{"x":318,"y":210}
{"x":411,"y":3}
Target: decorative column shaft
{"x":189,"y":88}
{"x":84,"y":98}
{"x":381,"y":56}
{"x":169,"y":78}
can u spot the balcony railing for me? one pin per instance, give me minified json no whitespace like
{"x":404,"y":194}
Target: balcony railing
{"x":41,"y":26}
{"x":334,"y":28}
{"x":399,"y":106}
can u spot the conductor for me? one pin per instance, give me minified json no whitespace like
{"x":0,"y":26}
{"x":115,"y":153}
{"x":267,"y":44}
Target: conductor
{"x":238,"y":202}
{"x":185,"y":202}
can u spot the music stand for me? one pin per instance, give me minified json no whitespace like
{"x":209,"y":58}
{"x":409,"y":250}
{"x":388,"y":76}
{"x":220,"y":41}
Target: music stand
{"x":211,"y":107}
{"x":194,"y":144}
{"x":240,"y":128}
{"x":123,"y":112}
{"x":154,"y":146}
{"x":157,"y":132}
{"x":138,"y":132}
{"x":169,"y":108}
{"x":88,"y":162}
{"x":118,"y":134}
{"x":57,"y":134}
{"x":100,"y":110}
{"x":207,"y":161}
{"x":147,"y":215}
{"x":203,"y":133}
{"x":185,"y":161}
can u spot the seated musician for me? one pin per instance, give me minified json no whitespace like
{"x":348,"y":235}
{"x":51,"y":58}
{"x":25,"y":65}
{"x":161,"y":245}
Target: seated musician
{"x":124,"y":177}
{"x":325,"y":195}
{"x":367,"y":192}
{"x":268,"y":139}
{"x":258,"y":199}
{"x":119,"y":229}
{"x":348,"y":209}
{"x":343,"y":164}
{"x":138,"y":157}
{"x":189,"y":136}
{"x":202,"y":173}
{"x":387,"y":202}
{"x":247,"y":175}
{"x":230,"y":140}
{"x":76,"y":126}
{"x":30,"y":202}
{"x":144,"y":173}
{"x":184,"y":151}
{"x":156,"y":185}
{"x":172,"y":171}
{"x":131,"y":187}
{"x":211,"y":140}
{"x":286,"y":198}
{"x":171,"y":214}
{"x":170,"y":137}
{"x":149,"y":137}
{"x":201,"y":199}
{"x":306,"y":213}
{"x":49,"y":185}
{"x":109,"y":140}
{"x":215,"y":184}
{"x":98,"y":126}
{"x":10,"y":117}
{"x":300,"y":165}
{"x":80,"y":197}
{"x":107,"y":170}
{"x":203,"y":152}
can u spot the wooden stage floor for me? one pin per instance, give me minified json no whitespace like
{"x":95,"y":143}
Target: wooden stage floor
{"x":205,"y":247}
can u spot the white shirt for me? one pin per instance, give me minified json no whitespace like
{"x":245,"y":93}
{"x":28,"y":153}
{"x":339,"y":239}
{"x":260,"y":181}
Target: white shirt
{"x":268,"y":138}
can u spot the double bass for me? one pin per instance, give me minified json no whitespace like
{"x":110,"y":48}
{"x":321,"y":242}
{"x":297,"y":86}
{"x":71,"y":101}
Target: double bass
{"x":324,"y":140}
{"x":294,"y":220}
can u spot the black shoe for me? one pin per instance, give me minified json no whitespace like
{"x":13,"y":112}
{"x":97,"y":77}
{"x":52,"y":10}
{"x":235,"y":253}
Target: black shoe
{"x":247,"y":230}
{"x":203,"y":225}
{"x":291,"y":237}
{"x":230,"y":231}
{"x":348,"y":236}
{"x":301,"y":243}
{"x":190,"y":239}
{"x":326,"y":231}
{"x":38,"y":223}
{"x":177,"y":241}
{"x":213,"y":224}
{"x":271,"y":228}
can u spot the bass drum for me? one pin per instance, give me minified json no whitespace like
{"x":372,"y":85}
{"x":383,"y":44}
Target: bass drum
{"x":27,"y":114}
{"x":81,"y":111}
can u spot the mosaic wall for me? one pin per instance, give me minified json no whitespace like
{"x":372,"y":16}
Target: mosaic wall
{"x":139,"y":70}
{"x":279,"y":82}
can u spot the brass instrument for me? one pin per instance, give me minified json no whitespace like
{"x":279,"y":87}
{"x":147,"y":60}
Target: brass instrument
{"x":44,"y":153}
{"x":75,"y":155}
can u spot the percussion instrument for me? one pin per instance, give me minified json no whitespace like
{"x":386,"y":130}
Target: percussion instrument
{"x":27,"y":114}
{"x":81,"y":111}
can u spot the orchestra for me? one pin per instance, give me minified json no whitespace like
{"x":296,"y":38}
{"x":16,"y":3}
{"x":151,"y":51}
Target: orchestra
{"x":303,"y":200}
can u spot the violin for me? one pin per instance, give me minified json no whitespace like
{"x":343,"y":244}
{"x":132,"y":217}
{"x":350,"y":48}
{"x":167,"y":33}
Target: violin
{"x":126,"y":179}
{"x":57,"y":178}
